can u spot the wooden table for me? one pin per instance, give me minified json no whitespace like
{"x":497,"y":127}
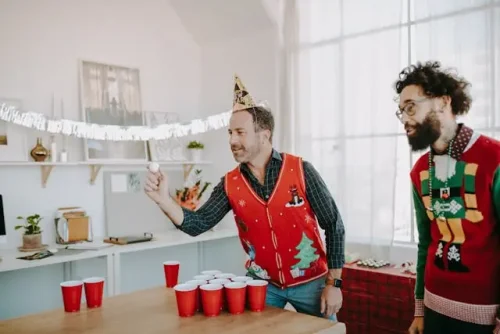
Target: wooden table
{"x":155,"y":311}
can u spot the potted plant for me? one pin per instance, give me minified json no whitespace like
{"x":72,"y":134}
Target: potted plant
{"x":195,"y":148}
{"x":32,"y":237}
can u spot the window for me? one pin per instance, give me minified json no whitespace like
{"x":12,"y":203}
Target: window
{"x":349,"y":56}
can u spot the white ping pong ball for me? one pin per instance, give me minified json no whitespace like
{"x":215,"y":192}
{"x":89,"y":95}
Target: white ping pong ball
{"x":154,"y":167}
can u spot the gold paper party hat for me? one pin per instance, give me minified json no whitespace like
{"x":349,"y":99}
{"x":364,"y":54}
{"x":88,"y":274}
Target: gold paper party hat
{"x":242,"y":99}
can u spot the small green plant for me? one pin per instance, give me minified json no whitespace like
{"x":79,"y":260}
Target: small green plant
{"x":195,"y":145}
{"x":32,"y":225}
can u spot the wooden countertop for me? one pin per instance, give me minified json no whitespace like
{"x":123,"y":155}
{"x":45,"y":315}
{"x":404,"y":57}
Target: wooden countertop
{"x":155,"y":311}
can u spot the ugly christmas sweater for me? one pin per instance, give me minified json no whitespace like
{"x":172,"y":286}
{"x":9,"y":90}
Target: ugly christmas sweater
{"x":280,"y":235}
{"x":457,"y":204}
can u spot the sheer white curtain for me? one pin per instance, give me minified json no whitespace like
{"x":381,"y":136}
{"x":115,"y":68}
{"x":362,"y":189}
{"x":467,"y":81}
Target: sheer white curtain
{"x":343,"y":106}
{"x":466,"y":39}
{"x":345,"y":59}
{"x":464,"y":36}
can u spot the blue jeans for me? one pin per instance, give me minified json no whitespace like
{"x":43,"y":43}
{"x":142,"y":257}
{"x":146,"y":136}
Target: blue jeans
{"x":305,"y":298}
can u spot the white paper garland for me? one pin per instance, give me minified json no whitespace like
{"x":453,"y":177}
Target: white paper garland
{"x":66,"y":127}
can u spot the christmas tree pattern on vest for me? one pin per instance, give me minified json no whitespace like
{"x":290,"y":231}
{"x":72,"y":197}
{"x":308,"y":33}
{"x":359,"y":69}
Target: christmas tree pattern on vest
{"x":307,"y":257}
{"x":296,"y":200}
{"x":450,"y":210}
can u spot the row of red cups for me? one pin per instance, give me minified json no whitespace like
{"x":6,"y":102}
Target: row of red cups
{"x":72,"y":293}
{"x":211,"y":293}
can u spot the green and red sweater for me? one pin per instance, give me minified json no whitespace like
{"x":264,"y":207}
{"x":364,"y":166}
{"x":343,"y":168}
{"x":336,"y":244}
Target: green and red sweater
{"x":458,"y":220}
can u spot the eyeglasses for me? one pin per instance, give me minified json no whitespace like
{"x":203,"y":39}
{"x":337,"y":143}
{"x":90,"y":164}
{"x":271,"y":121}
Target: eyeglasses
{"x":409,"y":109}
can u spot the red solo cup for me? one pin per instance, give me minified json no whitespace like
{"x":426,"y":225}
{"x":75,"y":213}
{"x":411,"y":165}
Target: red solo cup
{"x":171,"y":269}
{"x":211,"y":272}
{"x":198,"y":283}
{"x":225,"y":275}
{"x":211,"y":296}
{"x":236,"y":297}
{"x":241,"y":279}
{"x":185,"y":294}
{"x":223,"y":282}
{"x":206,"y":278}
{"x":72,"y":295}
{"x":94,"y":290}
{"x":257,"y":290}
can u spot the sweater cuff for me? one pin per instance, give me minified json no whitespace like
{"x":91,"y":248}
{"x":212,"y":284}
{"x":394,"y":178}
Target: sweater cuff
{"x":419,"y":307}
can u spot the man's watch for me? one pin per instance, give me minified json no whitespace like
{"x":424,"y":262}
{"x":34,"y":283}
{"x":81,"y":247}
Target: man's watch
{"x":336,"y":282}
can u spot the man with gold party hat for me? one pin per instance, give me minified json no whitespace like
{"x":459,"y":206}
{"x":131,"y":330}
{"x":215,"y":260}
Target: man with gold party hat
{"x":279,"y":204}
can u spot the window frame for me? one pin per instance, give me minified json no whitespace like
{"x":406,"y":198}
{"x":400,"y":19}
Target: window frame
{"x":408,"y":24}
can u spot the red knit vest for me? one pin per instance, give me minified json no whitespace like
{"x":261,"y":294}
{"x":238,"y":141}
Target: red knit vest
{"x":280,"y":235}
{"x":477,"y":280}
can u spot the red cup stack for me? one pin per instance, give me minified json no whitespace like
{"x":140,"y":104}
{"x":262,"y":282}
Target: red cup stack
{"x":213,"y":291}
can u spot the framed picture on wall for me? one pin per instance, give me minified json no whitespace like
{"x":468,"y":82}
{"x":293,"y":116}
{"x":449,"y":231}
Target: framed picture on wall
{"x":171,"y":149}
{"x":111,"y":95}
{"x":13,"y":146}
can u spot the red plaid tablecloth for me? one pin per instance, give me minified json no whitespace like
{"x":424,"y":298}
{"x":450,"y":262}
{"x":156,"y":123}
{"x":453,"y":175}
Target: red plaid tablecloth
{"x":376,"y":300}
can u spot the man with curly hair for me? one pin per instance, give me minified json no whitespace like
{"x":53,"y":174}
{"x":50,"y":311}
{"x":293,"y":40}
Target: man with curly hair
{"x":456,"y":194}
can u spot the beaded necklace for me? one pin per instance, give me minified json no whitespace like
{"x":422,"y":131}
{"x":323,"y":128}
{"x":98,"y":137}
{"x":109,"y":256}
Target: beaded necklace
{"x":445,"y":191}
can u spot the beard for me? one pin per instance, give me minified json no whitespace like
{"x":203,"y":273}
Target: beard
{"x":243,"y":154}
{"x":239,"y":154}
{"x":425,"y":133}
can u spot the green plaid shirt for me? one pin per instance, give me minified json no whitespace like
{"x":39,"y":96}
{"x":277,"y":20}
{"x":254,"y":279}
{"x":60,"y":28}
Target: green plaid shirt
{"x":318,"y":195}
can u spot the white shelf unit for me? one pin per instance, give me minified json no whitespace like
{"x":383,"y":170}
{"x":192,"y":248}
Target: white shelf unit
{"x":96,"y":165}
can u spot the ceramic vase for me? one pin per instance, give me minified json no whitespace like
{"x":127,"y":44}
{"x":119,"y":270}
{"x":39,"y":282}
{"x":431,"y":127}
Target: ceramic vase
{"x":196,"y":154}
{"x":32,"y":241}
{"x":39,"y":153}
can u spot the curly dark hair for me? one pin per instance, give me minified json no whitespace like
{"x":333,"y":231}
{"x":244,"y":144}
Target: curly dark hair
{"x":437,"y":82}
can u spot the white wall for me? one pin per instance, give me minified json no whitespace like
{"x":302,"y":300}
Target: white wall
{"x":254,"y":58}
{"x":42,"y":42}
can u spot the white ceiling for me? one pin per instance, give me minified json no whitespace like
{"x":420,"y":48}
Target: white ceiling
{"x":215,"y":20}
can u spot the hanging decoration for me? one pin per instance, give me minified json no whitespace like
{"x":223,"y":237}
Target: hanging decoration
{"x":40,"y":122}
